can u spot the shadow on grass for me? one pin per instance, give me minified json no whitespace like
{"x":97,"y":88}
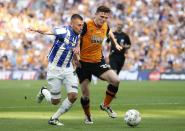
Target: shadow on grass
{"x":9,"y":124}
{"x":100,"y":124}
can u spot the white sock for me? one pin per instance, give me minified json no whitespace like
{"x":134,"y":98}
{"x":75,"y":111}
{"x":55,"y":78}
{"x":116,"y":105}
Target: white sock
{"x":47,"y":95}
{"x":65,"y":106}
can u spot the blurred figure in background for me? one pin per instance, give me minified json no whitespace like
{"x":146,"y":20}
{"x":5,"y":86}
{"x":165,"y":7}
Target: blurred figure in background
{"x":116,"y":57}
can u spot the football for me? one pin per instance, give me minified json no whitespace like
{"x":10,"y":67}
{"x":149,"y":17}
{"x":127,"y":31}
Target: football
{"x":132,"y":117}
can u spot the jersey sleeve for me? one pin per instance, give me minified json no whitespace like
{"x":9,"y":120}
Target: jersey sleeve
{"x":127,"y":40}
{"x":59,"y":31}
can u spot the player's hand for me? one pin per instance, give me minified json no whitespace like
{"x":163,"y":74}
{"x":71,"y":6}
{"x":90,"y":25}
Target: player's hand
{"x":76,"y":50}
{"x":118,"y":47}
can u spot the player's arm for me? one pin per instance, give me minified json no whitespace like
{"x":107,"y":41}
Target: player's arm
{"x":127,"y":43}
{"x":118,"y":47}
{"x":76,"y":56}
{"x":75,"y":61}
{"x":44,"y":31}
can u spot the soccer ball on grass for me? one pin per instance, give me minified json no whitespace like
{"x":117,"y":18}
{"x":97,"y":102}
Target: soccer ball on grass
{"x":132,"y":117}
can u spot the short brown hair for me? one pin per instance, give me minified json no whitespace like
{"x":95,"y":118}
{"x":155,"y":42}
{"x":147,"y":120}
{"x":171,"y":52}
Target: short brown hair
{"x":103,"y":8}
{"x":76,"y":16}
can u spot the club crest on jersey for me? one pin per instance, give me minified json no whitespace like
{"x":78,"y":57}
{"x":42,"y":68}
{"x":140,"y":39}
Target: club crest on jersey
{"x":96,"y":39}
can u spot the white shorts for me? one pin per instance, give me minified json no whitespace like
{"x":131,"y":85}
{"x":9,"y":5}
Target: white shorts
{"x":57,"y":77}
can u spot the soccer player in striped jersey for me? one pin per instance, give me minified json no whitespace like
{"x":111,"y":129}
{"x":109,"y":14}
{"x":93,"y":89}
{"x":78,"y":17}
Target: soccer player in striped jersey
{"x":60,"y":68}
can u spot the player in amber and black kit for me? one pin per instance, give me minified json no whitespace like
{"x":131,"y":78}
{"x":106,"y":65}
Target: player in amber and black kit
{"x":117,"y":58}
{"x":92,"y":63}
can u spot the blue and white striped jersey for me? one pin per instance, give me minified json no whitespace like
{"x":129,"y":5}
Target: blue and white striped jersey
{"x":61,"y":53}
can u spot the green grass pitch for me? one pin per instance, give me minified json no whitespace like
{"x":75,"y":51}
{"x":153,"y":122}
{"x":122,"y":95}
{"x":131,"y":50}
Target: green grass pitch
{"x":161,"y":104}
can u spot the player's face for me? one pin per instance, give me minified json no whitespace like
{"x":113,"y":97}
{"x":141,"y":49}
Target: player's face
{"x":119,"y":27}
{"x":101,"y":18}
{"x":77,"y":25}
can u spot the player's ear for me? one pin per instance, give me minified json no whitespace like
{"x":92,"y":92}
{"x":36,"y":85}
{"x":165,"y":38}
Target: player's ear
{"x":72,"y":22}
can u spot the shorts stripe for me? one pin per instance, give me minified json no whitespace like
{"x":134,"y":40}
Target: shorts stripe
{"x":55,"y":93}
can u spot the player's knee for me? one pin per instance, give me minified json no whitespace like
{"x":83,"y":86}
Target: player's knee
{"x":116,"y":82}
{"x":72,"y":97}
{"x":112,"y":88}
{"x":55,"y":101}
{"x":85,"y":100}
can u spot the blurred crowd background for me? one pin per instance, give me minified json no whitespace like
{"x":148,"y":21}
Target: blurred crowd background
{"x":156,"y":29}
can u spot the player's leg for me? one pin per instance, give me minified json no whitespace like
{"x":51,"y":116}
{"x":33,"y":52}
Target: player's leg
{"x":71,"y":84}
{"x":85,"y":101}
{"x":84,"y":77}
{"x":112,"y":78}
{"x":64,"y":107}
{"x":53,"y":88}
{"x":53,"y":96}
{"x":104,"y":72}
{"x":40,"y":96}
{"x":66,"y":104}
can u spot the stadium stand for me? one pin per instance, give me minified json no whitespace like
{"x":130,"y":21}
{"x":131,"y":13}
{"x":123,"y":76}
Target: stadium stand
{"x":156,"y":29}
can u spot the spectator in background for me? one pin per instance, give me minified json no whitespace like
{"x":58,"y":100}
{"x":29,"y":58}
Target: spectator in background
{"x":155,"y":26}
{"x":5,"y":63}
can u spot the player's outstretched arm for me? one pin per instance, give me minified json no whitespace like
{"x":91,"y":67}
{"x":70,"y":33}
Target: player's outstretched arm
{"x":41,"y":31}
{"x":114,"y":41}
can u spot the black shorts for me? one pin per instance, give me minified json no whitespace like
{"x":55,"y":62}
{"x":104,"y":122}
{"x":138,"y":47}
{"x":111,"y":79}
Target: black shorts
{"x":88,"y":69}
{"x":116,"y":62}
